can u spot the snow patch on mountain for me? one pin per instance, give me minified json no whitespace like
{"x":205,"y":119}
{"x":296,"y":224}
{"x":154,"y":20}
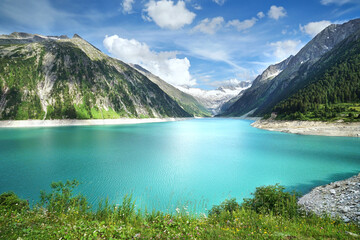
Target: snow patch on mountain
{"x":213,"y":99}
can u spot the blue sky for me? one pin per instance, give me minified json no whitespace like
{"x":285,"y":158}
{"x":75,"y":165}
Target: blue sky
{"x":202,"y":43}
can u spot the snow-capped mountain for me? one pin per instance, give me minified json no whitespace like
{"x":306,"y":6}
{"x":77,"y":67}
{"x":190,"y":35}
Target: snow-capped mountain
{"x":213,"y":99}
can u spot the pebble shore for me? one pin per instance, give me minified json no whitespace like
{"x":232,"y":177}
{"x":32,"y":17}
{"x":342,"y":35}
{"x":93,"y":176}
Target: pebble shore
{"x":336,"y":129}
{"x":339,"y":199}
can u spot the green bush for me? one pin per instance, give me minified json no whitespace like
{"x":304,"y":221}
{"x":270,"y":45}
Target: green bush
{"x":229,"y":205}
{"x":10,"y":201}
{"x":273,"y":199}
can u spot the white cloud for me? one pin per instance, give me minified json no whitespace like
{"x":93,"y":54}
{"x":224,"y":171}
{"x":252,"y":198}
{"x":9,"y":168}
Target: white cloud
{"x":260,"y":15}
{"x":233,"y":82}
{"x":276,"y":12}
{"x":163,"y":64}
{"x":283,"y":49}
{"x":197,"y":7}
{"x":313,"y":28}
{"x":209,"y":26}
{"x":219,"y":2}
{"x":166,"y":14}
{"x":127,"y":5}
{"x":242,"y":25}
{"x":337,"y":2}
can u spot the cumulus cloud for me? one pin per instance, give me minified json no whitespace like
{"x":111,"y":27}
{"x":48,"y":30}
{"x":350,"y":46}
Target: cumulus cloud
{"x":313,"y":28}
{"x":168,"y":15}
{"x":163,"y":64}
{"x":219,"y":2}
{"x":242,"y":25}
{"x":127,"y":5}
{"x":209,"y":26}
{"x":276,"y":12}
{"x":260,"y":15}
{"x":283,"y":49}
{"x":337,"y":2}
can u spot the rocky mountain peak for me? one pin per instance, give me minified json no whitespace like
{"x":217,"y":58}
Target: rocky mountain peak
{"x":77,"y":36}
{"x":324,"y":42}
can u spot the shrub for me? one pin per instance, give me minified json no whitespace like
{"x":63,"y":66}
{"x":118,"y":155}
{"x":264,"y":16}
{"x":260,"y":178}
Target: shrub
{"x":229,"y":206}
{"x":10,"y":201}
{"x":62,"y":199}
{"x":273,"y":199}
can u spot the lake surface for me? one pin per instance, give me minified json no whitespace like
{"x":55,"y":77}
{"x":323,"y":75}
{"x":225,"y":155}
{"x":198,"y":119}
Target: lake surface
{"x":193,"y":163}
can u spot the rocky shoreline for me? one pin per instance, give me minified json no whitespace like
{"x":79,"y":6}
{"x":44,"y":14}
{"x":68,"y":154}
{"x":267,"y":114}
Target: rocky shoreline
{"x":339,"y":129}
{"x":339,"y":199}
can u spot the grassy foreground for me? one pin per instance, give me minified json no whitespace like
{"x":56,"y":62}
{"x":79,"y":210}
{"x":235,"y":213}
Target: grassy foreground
{"x":270,"y":214}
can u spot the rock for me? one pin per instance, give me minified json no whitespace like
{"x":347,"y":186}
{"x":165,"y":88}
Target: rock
{"x":336,"y":199}
{"x":345,"y":209}
{"x":352,"y":234}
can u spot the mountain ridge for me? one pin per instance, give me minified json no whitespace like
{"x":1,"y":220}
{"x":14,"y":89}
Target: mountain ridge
{"x":186,"y":101}
{"x":49,"y":77}
{"x":259,"y":96}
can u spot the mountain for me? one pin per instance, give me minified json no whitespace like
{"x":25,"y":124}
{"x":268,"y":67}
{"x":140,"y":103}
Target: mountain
{"x":330,"y":90}
{"x":271,"y":72}
{"x":50,"y":77}
{"x":214,"y":99}
{"x":264,"y":95}
{"x":186,"y":101}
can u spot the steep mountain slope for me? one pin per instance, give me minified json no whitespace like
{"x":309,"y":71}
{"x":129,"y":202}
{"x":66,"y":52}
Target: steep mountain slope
{"x":186,"y":101}
{"x":331,"y":89}
{"x":264,"y":96}
{"x":57,"y":77}
{"x":214,"y":99}
{"x":271,"y":72}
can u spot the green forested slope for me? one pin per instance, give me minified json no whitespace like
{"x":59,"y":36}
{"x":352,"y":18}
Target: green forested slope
{"x":262,"y":98}
{"x":332,"y":89}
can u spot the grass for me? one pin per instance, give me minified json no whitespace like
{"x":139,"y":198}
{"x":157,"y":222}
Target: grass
{"x":61,"y":214}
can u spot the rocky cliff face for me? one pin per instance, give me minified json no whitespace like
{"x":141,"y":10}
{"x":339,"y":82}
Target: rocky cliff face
{"x":264,"y":94}
{"x":57,"y":77}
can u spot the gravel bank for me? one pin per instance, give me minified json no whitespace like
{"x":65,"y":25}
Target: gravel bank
{"x":311,"y":127}
{"x":75,"y":122}
{"x":340,"y":198}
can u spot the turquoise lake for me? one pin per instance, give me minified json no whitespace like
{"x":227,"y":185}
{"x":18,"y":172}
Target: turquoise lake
{"x":193,"y":163}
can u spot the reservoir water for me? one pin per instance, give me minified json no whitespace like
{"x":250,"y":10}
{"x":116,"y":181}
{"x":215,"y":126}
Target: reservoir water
{"x":193,"y":164}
